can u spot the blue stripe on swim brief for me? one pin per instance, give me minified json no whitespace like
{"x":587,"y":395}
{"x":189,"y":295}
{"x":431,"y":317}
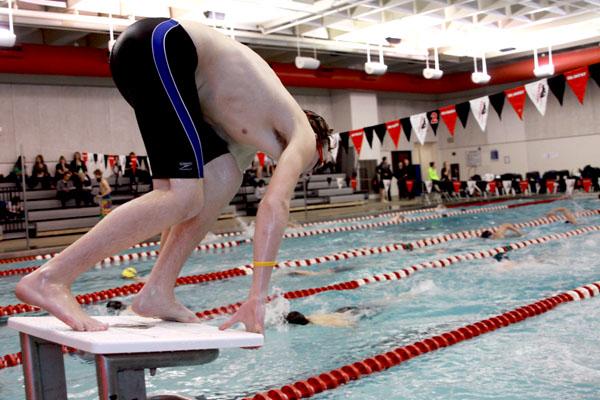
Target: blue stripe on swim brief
{"x":159,"y":54}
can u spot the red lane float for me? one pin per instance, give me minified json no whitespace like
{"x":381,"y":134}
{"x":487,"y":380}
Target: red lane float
{"x":349,"y":285}
{"x":381,"y":362}
{"x":90,"y":298}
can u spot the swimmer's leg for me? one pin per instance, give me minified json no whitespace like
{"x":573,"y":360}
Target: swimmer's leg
{"x":162,"y":184}
{"x":221,"y":182}
{"x":139,"y":219}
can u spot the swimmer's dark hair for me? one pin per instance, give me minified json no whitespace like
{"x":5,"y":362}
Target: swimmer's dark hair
{"x":486,"y":234}
{"x":296,"y":318}
{"x":116,"y":305}
{"x":320,"y":127}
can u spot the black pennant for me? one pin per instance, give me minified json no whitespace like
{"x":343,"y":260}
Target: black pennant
{"x":462,"y":109}
{"x":380,"y":130}
{"x":595,"y":72}
{"x":369,"y":134}
{"x":434,"y":120}
{"x":406,"y":127}
{"x":497,"y":101}
{"x":557,"y":87}
{"x":344,"y":141}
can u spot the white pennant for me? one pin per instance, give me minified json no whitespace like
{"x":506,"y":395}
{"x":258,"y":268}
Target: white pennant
{"x":538,"y":93}
{"x":334,"y":151}
{"x":480,"y":107}
{"x":419,"y":124}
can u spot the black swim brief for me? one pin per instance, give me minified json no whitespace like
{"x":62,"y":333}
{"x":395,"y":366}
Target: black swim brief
{"x":153,"y":64}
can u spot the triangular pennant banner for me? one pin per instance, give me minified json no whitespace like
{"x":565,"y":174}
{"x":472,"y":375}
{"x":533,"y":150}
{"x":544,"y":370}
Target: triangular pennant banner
{"x":577,"y":80}
{"x":538,"y":93}
{"x":380,"y":131}
{"x":369,"y":135}
{"x":344,"y":141}
{"x":406,"y":127}
{"x":334,"y":151}
{"x":462,"y":109}
{"x":393,"y":128}
{"x":434,"y":120}
{"x":261,"y":158}
{"x":497,"y":101}
{"x":516,"y":98}
{"x":595,"y":73}
{"x":448,"y":114}
{"x":419,"y":124}
{"x":481,"y":109}
{"x":557,"y":87}
{"x":357,"y":139}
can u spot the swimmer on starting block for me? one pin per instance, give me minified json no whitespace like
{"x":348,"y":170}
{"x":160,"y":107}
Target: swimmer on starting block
{"x":569,"y":216}
{"x":501,"y":232}
{"x":205,"y":104}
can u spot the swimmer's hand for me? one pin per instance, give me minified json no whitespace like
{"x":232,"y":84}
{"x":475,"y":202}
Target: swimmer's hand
{"x":251,"y":314}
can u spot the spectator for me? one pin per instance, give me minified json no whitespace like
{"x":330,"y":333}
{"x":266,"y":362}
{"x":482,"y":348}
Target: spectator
{"x":409,"y":175}
{"x":384,"y":173}
{"x":260,"y":190}
{"x":446,"y":181}
{"x":433,"y":176}
{"x":132,"y":171}
{"x":104,"y":195}
{"x":354,"y":181}
{"x":61,"y":168}
{"x":40,"y":174}
{"x":84,"y":195}
{"x":16,"y":174}
{"x":65,"y":189}
{"x":77,"y":164}
{"x":400,"y":180}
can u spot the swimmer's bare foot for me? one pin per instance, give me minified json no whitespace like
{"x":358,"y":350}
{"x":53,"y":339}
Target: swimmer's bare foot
{"x":152,"y":302}
{"x":56,"y":298}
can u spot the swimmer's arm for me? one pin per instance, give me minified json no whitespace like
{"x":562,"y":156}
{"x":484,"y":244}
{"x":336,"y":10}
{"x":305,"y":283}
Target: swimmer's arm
{"x":515,"y":230}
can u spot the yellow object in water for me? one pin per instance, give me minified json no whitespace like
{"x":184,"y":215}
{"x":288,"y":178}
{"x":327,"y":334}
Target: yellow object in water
{"x":129,"y":273}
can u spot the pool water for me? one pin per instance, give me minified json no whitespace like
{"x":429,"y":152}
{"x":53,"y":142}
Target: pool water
{"x":552,"y":356}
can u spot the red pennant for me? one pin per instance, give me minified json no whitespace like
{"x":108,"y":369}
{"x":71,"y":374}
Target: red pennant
{"x":357,"y":139}
{"x":449,"y":116}
{"x":492,"y":186}
{"x":409,"y":185}
{"x":261,"y":158}
{"x":112,"y":160}
{"x":84,"y":157}
{"x":587,"y":184}
{"x":550,"y":185}
{"x":456,"y":185}
{"x":394,"y":128}
{"x":524,"y":185}
{"x":577,"y":80}
{"x":516,"y":98}
{"x":134,"y":163}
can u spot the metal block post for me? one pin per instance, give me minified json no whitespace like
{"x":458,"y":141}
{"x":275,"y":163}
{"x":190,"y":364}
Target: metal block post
{"x":43,"y":369}
{"x":121,"y":376}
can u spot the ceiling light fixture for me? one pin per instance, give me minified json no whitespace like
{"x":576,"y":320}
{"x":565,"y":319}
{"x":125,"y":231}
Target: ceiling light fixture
{"x":541,"y":71}
{"x":433,"y":73}
{"x":480,"y":78}
{"x":372,"y":67}
{"x":7,"y":36}
{"x":306,"y":62}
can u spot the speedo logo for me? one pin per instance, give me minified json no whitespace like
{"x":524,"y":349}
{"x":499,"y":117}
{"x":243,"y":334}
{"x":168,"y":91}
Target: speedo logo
{"x":185,"y":165}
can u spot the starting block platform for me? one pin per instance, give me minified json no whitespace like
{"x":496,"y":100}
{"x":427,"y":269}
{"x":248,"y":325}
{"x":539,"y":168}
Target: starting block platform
{"x":122,"y":353}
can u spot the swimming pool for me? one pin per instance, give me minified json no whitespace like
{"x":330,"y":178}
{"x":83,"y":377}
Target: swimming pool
{"x":554,"y":355}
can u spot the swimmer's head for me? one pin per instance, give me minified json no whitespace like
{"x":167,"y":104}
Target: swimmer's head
{"x":325,"y":141}
{"x":129,"y":273}
{"x":296,"y":318}
{"x":486,"y":234}
{"x":115,"y":305}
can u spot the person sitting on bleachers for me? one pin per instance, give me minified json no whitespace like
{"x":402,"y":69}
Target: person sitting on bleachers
{"x":77,"y":165}
{"x":15,"y":208}
{"x":16,"y":174}
{"x":65,"y":189}
{"x":61,"y":169}
{"x":40,"y":174}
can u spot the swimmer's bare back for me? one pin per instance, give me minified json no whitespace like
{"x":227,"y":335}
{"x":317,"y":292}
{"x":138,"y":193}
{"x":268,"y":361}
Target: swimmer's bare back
{"x":242,"y":97}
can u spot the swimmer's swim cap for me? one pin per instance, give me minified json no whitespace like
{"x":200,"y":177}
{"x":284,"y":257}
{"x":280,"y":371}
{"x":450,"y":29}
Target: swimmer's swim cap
{"x":296,"y":318}
{"x":129,"y":273}
{"x":486,"y":234}
{"x":115,"y":305}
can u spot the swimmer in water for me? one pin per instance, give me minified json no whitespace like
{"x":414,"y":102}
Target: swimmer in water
{"x":569,"y":216}
{"x":345,"y":317}
{"x":501,"y":232}
{"x":132,"y":274}
{"x":398,"y":218}
{"x":328,"y":271}
{"x":205,"y":104}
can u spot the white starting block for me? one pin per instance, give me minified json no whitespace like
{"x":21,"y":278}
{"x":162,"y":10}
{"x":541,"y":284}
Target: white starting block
{"x":130,"y":345}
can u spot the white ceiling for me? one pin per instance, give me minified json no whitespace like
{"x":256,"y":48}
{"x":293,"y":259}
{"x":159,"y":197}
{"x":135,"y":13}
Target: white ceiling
{"x":338,"y":29}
